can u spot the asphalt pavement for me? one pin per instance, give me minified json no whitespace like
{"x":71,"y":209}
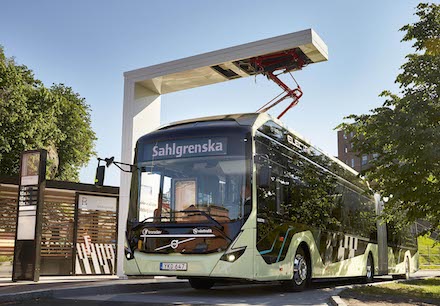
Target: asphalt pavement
{"x":166,"y":291}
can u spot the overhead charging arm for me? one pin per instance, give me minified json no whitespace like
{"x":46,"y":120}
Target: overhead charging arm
{"x":285,"y":61}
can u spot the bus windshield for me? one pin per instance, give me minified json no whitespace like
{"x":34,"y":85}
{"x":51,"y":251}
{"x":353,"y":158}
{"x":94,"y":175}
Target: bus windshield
{"x":194,"y":189}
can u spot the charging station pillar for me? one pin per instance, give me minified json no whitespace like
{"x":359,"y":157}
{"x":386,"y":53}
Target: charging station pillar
{"x":141,"y":115}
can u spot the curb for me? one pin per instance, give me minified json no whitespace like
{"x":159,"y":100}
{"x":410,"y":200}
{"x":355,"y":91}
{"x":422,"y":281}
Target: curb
{"x":89,"y":290}
{"x":336,"y":300}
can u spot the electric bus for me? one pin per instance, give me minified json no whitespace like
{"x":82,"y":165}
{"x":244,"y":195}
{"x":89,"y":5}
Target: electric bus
{"x":241,"y":197}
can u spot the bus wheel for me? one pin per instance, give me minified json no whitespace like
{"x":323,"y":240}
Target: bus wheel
{"x":201,"y":283}
{"x":301,"y":272}
{"x":370,"y":269}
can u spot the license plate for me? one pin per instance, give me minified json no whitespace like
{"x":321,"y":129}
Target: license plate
{"x":173,"y":266}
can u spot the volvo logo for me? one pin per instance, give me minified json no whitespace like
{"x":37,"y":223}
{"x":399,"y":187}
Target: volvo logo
{"x":174,"y":244}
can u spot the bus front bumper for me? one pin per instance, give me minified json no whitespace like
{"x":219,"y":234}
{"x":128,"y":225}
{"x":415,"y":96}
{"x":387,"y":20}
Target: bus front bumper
{"x":189,"y":265}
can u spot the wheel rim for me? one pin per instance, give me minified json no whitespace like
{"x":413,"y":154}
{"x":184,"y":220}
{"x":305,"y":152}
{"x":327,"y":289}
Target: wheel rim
{"x":299,"y":269}
{"x":369,"y":268}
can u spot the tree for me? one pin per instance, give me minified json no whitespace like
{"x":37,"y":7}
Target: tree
{"x":33,"y":117}
{"x":405,"y":130}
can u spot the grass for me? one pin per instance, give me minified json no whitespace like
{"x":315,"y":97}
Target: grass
{"x":422,"y":289}
{"x":430,"y":267}
{"x":429,"y":253}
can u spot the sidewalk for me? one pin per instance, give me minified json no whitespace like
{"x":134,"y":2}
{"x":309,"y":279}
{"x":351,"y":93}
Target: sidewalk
{"x":71,"y":285}
{"x":7,"y":286}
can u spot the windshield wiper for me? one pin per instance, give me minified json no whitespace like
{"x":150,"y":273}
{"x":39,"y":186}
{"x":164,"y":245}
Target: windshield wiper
{"x":144,"y":221}
{"x":218,"y":225}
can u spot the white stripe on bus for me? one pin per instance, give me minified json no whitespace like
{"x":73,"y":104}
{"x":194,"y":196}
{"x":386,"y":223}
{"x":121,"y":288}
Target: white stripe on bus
{"x":178,"y":236}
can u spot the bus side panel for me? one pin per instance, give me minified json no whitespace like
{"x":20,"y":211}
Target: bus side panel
{"x":243,"y":266}
{"x":344,"y":257}
{"x":131,"y":267}
{"x":351,"y":261}
{"x":414,"y":262}
{"x":399,"y":257}
{"x":351,"y":267}
{"x":400,"y":262}
{"x":283,"y":270}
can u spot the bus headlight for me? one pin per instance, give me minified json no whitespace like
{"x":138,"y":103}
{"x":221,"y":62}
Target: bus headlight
{"x":128,"y":254}
{"x":233,"y":255}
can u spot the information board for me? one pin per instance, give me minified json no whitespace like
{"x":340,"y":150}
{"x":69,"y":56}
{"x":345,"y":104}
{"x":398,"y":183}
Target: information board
{"x":27,"y":247}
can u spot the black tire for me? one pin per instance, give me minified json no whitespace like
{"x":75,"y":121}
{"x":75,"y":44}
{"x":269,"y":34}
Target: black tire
{"x":201,"y":283}
{"x":302,"y":272}
{"x":369,"y":275}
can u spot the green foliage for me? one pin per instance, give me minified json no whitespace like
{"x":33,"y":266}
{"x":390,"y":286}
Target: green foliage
{"x":429,"y":252}
{"x":405,"y":130}
{"x":425,"y":241}
{"x":33,"y":117}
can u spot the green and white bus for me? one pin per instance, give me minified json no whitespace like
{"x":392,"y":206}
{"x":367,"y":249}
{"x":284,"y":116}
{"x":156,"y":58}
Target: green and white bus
{"x":241,"y":197}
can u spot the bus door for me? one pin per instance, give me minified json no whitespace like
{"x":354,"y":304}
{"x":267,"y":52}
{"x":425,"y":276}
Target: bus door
{"x":273,"y":231}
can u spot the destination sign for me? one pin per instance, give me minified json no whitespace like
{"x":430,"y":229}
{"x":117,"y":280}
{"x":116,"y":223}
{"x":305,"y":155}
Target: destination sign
{"x":186,"y":148}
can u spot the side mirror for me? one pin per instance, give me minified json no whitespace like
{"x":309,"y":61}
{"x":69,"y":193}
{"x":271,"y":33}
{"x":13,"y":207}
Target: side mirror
{"x":99,"y":178}
{"x":109,"y":161}
{"x":263,"y":176}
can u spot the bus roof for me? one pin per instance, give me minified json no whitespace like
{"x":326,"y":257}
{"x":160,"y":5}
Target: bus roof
{"x":256,"y":120}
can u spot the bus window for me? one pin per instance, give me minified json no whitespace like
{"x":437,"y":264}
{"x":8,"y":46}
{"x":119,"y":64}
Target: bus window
{"x":166,"y":198}
{"x":359,"y":216}
{"x":148,"y":198}
{"x":185,"y":194}
{"x":211,"y":185}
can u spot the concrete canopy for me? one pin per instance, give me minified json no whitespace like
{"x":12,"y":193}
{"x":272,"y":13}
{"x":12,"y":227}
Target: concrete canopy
{"x":225,"y":64}
{"x":143,"y":89}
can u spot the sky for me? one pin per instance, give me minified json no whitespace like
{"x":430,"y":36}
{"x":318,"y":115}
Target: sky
{"x":88,"y":45}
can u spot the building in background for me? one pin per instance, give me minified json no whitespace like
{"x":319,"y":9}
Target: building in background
{"x":353,"y":159}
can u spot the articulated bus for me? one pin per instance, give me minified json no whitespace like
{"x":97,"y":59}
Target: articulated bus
{"x":241,"y":197}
